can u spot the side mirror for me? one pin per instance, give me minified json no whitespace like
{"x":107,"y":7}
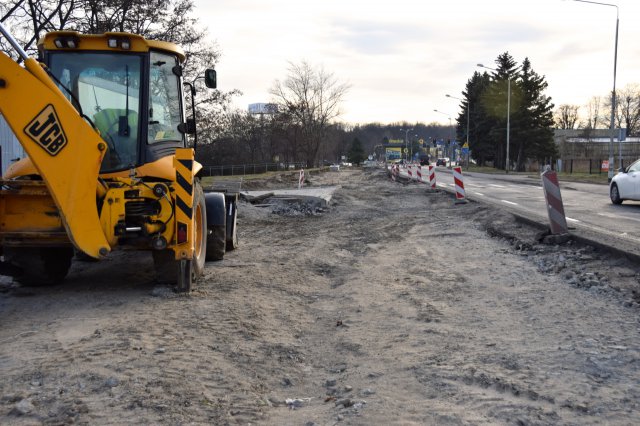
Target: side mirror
{"x":189,"y":127}
{"x":210,"y":78}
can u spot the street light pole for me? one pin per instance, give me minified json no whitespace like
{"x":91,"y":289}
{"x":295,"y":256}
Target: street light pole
{"x":613,"y":94}
{"x":411,"y":147}
{"x":506,"y":167}
{"x":468,"y":111}
{"x":450,"y":141}
{"x":406,"y":143}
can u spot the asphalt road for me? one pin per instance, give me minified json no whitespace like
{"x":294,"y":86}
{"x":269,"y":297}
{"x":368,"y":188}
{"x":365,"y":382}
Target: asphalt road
{"x":588,"y":209}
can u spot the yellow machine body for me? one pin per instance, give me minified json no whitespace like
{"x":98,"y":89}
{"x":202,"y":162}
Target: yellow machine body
{"x":63,"y":193}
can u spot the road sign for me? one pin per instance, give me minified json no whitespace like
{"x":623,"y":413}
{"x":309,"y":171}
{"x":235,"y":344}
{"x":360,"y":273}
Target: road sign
{"x":465,"y":149}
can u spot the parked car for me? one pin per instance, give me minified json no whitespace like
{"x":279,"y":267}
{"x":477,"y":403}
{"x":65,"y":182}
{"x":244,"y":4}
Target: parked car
{"x":625,"y":185}
{"x":424,"y":160}
{"x":442,"y":162}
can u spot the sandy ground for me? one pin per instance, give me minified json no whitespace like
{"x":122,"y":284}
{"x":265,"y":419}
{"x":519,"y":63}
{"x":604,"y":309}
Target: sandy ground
{"x":391,"y":306}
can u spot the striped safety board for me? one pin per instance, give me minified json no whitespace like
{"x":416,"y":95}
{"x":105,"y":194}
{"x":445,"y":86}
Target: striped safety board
{"x":457,"y":179}
{"x":432,"y":177}
{"x":555,"y":208}
{"x":183,"y":164}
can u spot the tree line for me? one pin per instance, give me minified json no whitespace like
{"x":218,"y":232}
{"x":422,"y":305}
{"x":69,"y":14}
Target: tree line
{"x":597,"y":112}
{"x":302,"y":124}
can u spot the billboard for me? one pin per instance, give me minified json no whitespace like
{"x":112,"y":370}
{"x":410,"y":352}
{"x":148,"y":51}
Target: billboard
{"x":393,"y":153}
{"x":262,"y":108}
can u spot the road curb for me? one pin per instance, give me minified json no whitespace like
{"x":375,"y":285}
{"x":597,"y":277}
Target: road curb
{"x":592,"y":238}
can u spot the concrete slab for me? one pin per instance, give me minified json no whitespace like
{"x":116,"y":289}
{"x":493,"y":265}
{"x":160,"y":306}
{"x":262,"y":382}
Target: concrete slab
{"x":320,"y":194}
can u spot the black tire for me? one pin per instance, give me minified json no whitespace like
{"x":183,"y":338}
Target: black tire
{"x":184,"y":273}
{"x":216,"y":242}
{"x":232,"y":234}
{"x":41,"y":266}
{"x":82,"y":257}
{"x":614,"y":194}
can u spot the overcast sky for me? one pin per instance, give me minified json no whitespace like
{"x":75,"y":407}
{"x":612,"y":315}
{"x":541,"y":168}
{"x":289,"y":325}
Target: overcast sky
{"x":401,"y":57}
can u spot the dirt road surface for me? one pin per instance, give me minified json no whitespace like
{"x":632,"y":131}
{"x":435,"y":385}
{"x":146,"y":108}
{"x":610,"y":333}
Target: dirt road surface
{"x":393,"y":306}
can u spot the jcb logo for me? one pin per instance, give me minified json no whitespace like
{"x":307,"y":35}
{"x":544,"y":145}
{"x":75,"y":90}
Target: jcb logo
{"x":46,"y":131}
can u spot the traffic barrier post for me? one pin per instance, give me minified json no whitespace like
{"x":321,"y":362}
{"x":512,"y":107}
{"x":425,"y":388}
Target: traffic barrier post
{"x":419,"y":174}
{"x":301,"y":179}
{"x":432,"y":177}
{"x":459,"y":184}
{"x":555,"y":208}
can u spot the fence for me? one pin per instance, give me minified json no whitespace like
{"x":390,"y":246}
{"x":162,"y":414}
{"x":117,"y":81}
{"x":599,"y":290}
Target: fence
{"x":589,"y":165}
{"x":248,"y":169}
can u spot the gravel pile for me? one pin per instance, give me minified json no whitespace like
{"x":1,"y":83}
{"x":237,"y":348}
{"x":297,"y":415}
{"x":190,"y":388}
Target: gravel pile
{"x":295,"y":208}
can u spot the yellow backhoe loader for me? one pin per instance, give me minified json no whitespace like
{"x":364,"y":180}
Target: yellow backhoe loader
{"x":102,"y":121}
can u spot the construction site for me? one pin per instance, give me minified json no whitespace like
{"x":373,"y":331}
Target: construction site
{"x":388,"y":304}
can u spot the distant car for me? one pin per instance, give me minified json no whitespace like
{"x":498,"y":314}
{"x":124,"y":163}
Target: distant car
{"x":626,"y":184}
{"x":442,"y":162}
{"x":424,"y":160}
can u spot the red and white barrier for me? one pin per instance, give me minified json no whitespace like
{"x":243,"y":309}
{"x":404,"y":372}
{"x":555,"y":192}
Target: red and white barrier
{"x":395,"y":172}
{"x":432,"y":177}
{"x":301,"y":179}
{"x":419,"y":174}
{"x":409,"y":172}
{"x":459,"y":184}
{"x":555,"y":208}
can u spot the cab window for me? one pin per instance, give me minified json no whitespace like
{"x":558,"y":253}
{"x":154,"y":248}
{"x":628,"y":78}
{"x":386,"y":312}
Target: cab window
{"x":106,"y":88}
{"x":164,"y":99}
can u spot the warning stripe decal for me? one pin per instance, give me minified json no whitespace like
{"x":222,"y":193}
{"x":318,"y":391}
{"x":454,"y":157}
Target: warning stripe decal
{"x":184,"y":207}
{"x":188,"y":164}
{"x":184,"y":183}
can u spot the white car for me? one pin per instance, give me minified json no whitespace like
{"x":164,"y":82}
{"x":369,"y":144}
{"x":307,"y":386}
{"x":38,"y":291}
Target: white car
{"x":626,"y":184}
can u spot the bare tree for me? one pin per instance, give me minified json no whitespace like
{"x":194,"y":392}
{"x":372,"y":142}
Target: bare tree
{"x":566,"y":116}
{"x":628,"y":108}
{"x":30,"y":19}
{"x":168,"y":20}
{"x":593,"y":113}
{"x":311,"y":99}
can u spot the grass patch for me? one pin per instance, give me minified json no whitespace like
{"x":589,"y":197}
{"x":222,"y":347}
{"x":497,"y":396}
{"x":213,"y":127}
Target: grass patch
{"x":601,"y":178}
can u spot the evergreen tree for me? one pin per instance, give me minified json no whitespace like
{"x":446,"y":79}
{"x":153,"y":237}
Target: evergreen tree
{"x":534,"y":121}
{"x":514,"y":93}
{"x":479,"y":122}
{"x":502,"y":98}
{"x":356,"y":153}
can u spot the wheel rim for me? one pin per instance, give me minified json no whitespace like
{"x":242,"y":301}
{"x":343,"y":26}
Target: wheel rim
{"x":198,"y":230}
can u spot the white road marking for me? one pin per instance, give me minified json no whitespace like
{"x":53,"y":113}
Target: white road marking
{"x":615,"y":216}
{"x":571,"y":219}
{"x":479,"y":193}
{"x":509,"y":202}
{"x":497,"y":186}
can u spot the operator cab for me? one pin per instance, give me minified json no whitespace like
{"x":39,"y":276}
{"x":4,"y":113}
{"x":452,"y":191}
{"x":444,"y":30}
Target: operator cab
{"x":128,"y":88}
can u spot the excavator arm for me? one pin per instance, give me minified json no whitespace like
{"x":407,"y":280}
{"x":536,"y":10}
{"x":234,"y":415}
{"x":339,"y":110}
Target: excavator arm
{"x":66,"y":151}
